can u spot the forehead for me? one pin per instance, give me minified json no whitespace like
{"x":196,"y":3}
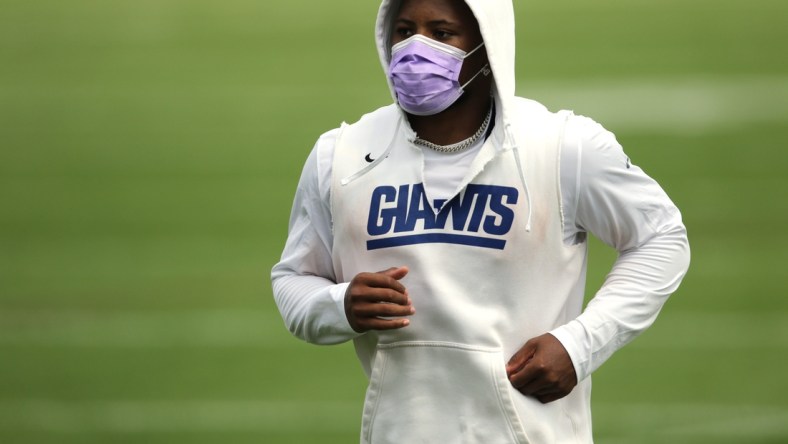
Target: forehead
{"x":456,"y":11}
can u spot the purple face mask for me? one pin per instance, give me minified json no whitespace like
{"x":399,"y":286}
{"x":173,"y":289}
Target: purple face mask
{"x":425,"y":74}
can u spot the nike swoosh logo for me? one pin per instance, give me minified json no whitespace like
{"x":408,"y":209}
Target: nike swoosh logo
{"x":369,"y":158}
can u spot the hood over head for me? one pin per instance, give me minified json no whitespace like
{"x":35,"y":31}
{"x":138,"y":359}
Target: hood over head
{"x":496,"y":23}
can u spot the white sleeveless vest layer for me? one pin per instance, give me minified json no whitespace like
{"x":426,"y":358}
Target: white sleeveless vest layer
{"x":481,"y":284}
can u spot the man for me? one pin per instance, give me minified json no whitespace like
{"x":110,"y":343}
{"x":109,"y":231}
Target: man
{"x":445,"y":235}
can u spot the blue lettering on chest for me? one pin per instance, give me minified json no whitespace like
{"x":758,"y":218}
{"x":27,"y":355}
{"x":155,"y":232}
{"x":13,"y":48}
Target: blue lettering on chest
{"x":478,"y":217}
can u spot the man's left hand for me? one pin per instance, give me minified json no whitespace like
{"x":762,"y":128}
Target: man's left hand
{"x":543,"y":369}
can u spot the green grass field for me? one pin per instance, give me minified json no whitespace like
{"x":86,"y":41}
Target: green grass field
{"x":149,"y":151}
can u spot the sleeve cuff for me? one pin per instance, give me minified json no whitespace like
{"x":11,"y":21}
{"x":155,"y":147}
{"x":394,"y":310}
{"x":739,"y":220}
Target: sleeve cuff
{"x":569,"y":336}
{"x":338,"y":295}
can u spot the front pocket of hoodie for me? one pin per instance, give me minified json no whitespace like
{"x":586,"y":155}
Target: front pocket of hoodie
{"x":439,"y":392}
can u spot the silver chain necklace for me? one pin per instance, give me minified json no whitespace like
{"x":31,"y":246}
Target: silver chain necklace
{"x":459,"y":146}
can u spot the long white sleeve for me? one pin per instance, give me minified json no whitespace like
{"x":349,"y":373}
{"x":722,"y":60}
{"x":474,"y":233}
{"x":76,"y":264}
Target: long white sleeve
{"x":606,"y":195}
{"x":309,"y":299}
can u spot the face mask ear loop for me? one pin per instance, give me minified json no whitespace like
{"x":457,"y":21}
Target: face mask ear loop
{"x":485,"y":69}
{"x":377,"y":161}
{"x":468,"y":54}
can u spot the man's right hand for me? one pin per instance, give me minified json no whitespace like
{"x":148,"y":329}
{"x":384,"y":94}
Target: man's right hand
{"x":378,"y":301}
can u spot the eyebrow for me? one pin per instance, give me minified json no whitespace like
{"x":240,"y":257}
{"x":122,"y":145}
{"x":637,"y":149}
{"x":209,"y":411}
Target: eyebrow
{"x":431,"y":22}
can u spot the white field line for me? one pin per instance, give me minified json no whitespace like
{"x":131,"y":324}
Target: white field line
{"x":161,"y":416}
{"x":220,"y":328}
{"x":238,"y":328}
{"x":717,"y":331}
{"x":669,"y":105}
{"x":672,"y":420}
{"x":666,"y":420}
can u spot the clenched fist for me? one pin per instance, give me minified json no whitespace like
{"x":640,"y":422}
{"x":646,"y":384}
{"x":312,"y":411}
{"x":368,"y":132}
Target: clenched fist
{"x":543,"y":369}
{"x":378,"y":301}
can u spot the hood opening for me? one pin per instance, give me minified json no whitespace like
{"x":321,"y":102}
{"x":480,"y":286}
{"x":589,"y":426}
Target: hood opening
{"x":496,"y":24}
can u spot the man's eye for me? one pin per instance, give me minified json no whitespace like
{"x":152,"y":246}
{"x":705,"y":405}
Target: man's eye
{"x":441,"y":35}
{"x":404,"y":32}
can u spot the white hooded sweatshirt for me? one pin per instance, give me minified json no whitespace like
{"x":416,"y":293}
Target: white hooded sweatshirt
{"x":498,"y":261}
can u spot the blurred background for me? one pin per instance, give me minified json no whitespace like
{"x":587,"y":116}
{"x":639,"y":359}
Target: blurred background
{"x":149,"y":151}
